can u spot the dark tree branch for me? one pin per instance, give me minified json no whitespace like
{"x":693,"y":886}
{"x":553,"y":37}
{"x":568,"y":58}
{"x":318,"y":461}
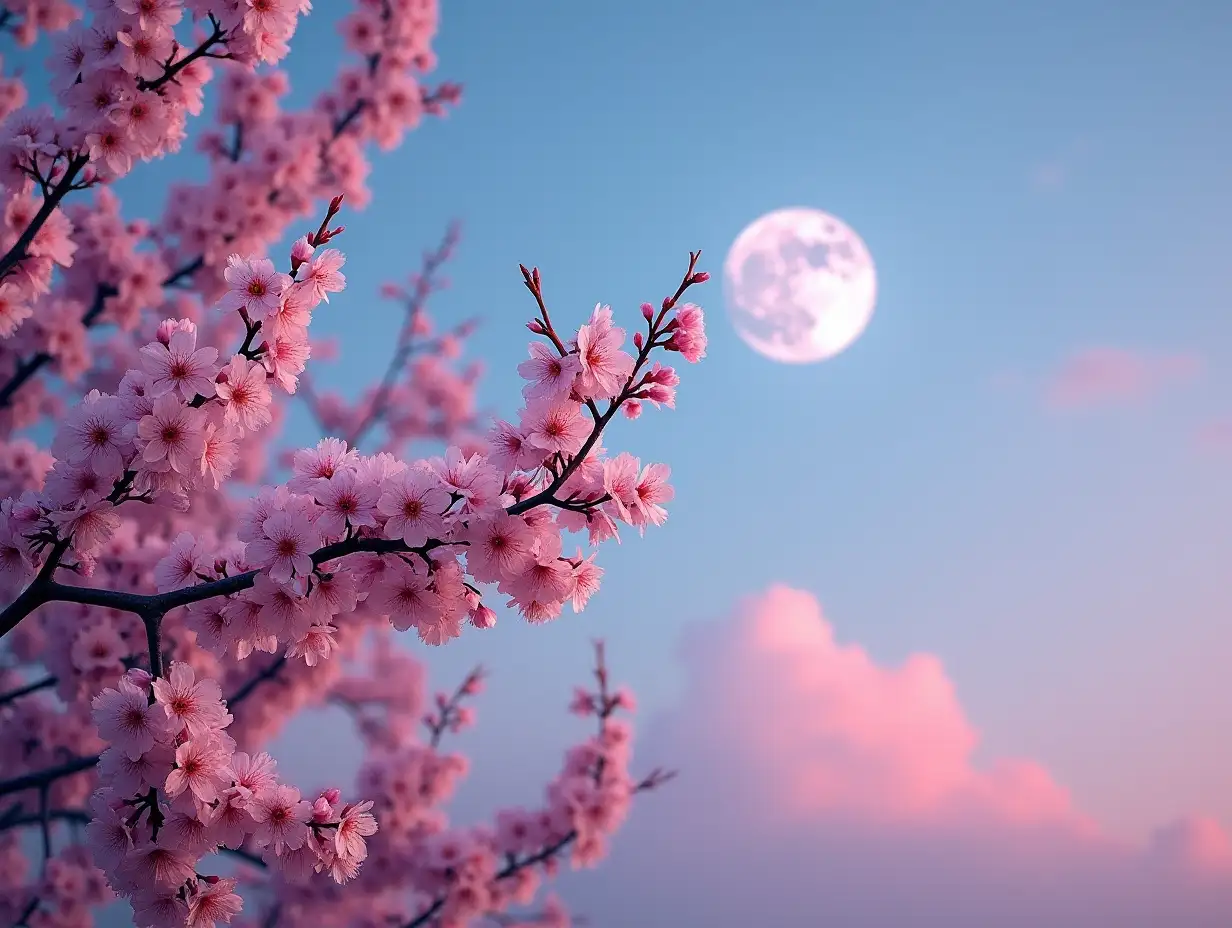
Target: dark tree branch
{"x":15,"y":694}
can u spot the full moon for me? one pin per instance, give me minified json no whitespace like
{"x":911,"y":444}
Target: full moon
{"x":800,"y":285}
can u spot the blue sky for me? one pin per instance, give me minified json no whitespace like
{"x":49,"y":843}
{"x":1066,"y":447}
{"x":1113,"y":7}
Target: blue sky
{"x":1032,"y":179}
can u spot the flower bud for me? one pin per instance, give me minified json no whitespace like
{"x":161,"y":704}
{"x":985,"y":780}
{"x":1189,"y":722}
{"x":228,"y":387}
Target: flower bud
{"x":483,"y":617}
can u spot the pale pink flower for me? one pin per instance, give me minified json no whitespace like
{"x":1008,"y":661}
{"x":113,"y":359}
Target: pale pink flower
{"x":499,"y":548}
{"x":98,"y":647}
{"x":286,"y":358}
{"x":546,"y":579}
{"x":152,"y":13}
{"x":90,"y":525}
{"x":652,"y":489}
{"x":345,"y":500}
{"x":15,"y":308}
{"x":620,"y":476}
{"x":405,"y":596}
{"x":111,"y":147}
{"x":157,"y":865}
{"x":228,"y":819}
{"x":180,"y":365}
{"x":107,"y":835}
{"x":15,"y":565}
{"x":191,"y":703}
{"x":172,"y":433}
{"x":213,"y":901}
{"x":509,"y":450}
{"x":323,"y":274}
{"x":160,"y":910}
{"x":200,"y":767}
{"x":586,"y":577}
{"x":413,"y":502}
{"x":356,"y":823}
{"x":281,"y":818}
{"x":286,"y":546}
{"x":284,"y":611}
{"x":549,"y":375}
{"x":181,"y":565}
{"x":330,"y":456}
{"x":605,"y":368}
{"x":689,"y":333}
{"x":218,"y":454}
{"x":256,"y":287}
{"x":190,"y":831}
{"x":129,"y":776}
{"x":557,"y":426}
{"x":126,"y":719}
{"x":472,"y":478}
{"x":255,"y":773}
{"x":315,"y":646}
{"x":246,"y":397}
{"x":333,"y":594}
{"x":93,"y":436}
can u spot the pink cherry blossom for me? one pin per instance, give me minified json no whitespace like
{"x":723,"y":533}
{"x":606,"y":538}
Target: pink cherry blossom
{"x":190,"y":703}
{"x":180,"y":366}
{"x":256,"y":287}
{"x":126,"y":719}
{"x":413,"y":503}
{"x":244,"y":394}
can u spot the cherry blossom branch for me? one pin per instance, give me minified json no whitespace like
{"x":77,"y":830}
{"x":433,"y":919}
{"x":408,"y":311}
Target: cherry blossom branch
{"x":19,"y":250}
{"x":448,"y":715}
{"x":15,"y":694}
{"x":256,"y":680}
{"x":426,"y":283}
{"x":531,"y":279}
{"x":82,"y":817}
{"x":151,"y":607}
{"x":158,"y":604}
{"x":72,"y":816}
{"x":513,"y":867}
{"x":77,"y":161}
{"x":28,"y":368}
{"x":171,"y":69}
{"x":41,"y":777}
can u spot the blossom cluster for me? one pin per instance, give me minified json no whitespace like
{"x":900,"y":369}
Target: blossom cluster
{"x":161,"y":616}
{"x":25,"y":19}
{"x":126,"y":85}
{"x":348,"y":535}
{"x":267,"y":166}
{"x":453,"y":875}
{"x":177,"y":789}
{"x":175,"y":422}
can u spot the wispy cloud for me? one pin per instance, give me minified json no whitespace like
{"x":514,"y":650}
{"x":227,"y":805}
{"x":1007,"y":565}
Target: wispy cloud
{"x":1216,"y":435}
{"x":1052,"y":174}
{"x":1103,"y":376}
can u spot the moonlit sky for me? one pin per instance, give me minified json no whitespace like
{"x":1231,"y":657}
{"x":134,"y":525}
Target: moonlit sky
{"x":1019,"y":468}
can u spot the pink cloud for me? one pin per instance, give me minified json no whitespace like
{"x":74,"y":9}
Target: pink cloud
{"x":833,"y":731}
{"x":1216,"y":435}
{"x":1104,"y":376}
{"x":819,"y":786}
{"x":1197,"y":844}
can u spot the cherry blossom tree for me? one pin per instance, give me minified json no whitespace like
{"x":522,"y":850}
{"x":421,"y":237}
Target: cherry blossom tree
{"x":175,"y":589}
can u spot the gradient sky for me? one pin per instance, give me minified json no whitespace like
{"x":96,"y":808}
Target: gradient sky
{"x":1022,"y":466}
